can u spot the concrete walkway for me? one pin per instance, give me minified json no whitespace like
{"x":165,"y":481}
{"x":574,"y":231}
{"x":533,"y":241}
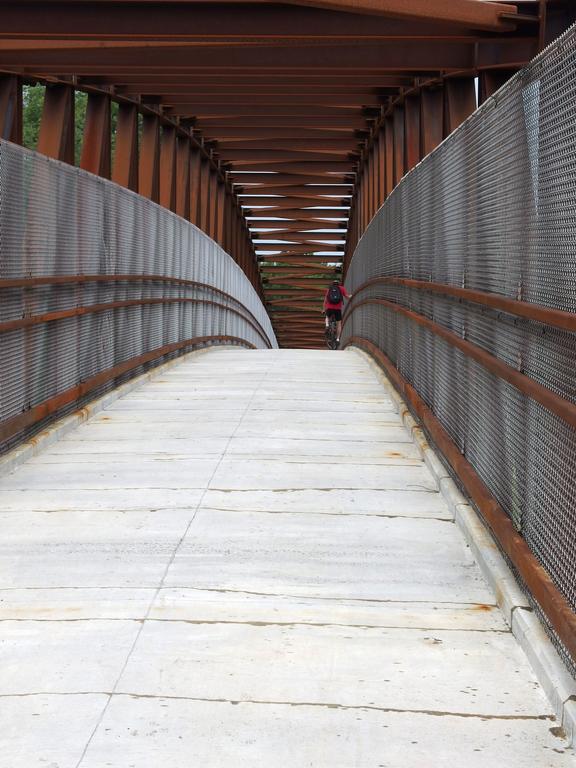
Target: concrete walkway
{"x":242,"y":565}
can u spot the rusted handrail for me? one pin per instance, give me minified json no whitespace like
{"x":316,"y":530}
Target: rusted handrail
{"x":38,"y":282}
{"x":550,"y":400}
{"x":557,"y":318}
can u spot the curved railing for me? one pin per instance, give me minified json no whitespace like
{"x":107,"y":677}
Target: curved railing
{"x":465,"y":290}
{"x":98,"y":283}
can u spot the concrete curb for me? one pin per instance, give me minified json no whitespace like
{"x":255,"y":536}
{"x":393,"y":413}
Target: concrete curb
{"x":545,"y":661}
{"x":21,"y":453}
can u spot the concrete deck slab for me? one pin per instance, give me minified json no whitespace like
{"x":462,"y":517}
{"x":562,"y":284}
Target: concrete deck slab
{"x":328,"y":556}
{"x":241,"y":564}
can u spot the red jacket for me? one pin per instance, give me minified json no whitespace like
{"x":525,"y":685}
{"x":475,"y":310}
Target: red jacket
{"x":328,"y":305}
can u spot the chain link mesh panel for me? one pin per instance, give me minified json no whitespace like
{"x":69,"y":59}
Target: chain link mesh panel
{"x":57,"y":221}
{"x":493,"y":208}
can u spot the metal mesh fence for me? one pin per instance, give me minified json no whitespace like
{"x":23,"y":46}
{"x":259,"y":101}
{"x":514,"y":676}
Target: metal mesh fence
{"x":160,"y":282}
{"x":492,"y":209}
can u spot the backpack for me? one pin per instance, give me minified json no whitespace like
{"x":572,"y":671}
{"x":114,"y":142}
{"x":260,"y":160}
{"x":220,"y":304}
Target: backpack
{"x":334,"y":295}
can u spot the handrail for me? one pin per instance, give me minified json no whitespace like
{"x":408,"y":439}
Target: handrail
{"x":550,"y":400}
{"x":557,"y":318}
{"x":535,"y":576}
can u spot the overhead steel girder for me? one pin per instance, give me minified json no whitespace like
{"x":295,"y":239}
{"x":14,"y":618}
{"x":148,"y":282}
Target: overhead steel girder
{"x":287,"y":179}
{"x":258,"y":155}
{"x":186,"y":101}
{"x":328,"y":171}
{"x":349,"y":122}
{"x":343,"y":143}
{"x":406,"y":55}
{"x":246,"y":80}
{"x":248,"y":193}
{"x":119,"y":21}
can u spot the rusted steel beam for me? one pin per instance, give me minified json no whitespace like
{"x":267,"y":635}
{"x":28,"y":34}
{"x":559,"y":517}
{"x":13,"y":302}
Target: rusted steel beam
{"x":314,"y":201}
{"x":534,"y":575}
{"x":431,"y":119}
{"x":470,"y":13}
{"x":160,"y":80}
{"x":342,"y":144}
{"x":338,"y":202}
{"x":277,"y":138}
{"x":329,"y":122}
{"x":183,"y":101}
{"x":183,"y":149}
{"x":399,"y":150}
{"x":195,"y":185}
{"x":240,"y":158}
{"x":381,"y":193}
{"x":11,"y":108}
{"x":204,"y":201}
{"x":87,"y":20}
{"x":96,"y":146}
{"x":490,"y":81}
{"x":56,"y":137}
{"x":51,"y":317}
{"x":35,"y":282}
{"x":168,"y":168}
{"x":286,"y":179}
{"x":149,"y":159}
{"x":389,"y":149}
{"x":208,"y":92}
{"x":219,"y":225}
{"x":16,"y":424}
{"x":459,"y":102}
{"x":410,"y":55}
{"x":125,"y":171}
{"x":411,"y":131}
{"x":556,"y":318}
{"x":213,"y":204}
{"x":330,"y":171}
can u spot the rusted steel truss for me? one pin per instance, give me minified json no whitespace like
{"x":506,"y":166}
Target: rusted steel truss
{"x":291,"y":106}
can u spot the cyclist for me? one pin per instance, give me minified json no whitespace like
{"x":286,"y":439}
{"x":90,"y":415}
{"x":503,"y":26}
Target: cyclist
{"x":333,"y":301}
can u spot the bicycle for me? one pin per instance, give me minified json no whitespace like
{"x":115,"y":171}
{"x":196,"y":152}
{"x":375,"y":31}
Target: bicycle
{"x":331,"y":337}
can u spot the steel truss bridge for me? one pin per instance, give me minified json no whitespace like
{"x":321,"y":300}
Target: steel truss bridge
{"x":234,"y":159}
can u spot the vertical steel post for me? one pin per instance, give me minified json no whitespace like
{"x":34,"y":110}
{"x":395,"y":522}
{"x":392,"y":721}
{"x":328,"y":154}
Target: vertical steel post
{"x":11,"y":108}
{"x":195,"y":181}
{"x":168,"y":168}
{"x":411,"y":131}
{"x":125,"y":171}
{"x":221,"y":191}
{"x":459,"y":102}
{"x":57,"y":125}
{"x":149,"y":161}
{"x":389,"y":150}
{"x":213,"y":202}
{"x":398,"y":119}
{"x":183,"y":148}
{"x":205,"y":195}
{"x":490,"y":81}
{"x":381,"y":166}
{"x":96,"y":145}
{"x":431,"y":119}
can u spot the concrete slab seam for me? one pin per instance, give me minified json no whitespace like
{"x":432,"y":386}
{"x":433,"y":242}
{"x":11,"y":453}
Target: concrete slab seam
{"x":527,"y":629}
{"x":61,"y":427}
